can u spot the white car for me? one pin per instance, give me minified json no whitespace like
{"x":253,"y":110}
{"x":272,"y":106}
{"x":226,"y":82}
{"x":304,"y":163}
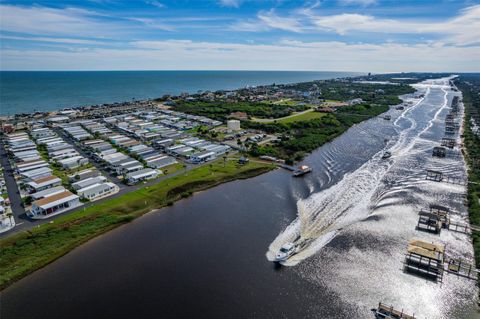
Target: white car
{"x":285,"y":252}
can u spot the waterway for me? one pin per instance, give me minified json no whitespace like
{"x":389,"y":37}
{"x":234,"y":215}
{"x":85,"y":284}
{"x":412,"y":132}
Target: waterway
{"x":209,"y":255}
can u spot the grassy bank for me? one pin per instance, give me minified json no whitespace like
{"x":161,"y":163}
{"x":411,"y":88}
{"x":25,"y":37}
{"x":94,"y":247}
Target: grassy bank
{"x":471,"y":101}
{"x":28,"y":251}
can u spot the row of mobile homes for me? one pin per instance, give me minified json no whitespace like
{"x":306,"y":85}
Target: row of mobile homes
{"x":77,"y":132}
{"x":41,"y":132}
{"x":96,"y":128}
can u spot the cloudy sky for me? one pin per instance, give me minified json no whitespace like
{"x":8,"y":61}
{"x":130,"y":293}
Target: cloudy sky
{"x":325,"y":35}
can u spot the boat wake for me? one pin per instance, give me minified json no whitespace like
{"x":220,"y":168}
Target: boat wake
{"x":322,"y":215}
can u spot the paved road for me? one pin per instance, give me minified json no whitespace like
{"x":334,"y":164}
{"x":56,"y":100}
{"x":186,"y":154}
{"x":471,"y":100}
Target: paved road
{"x":99,"y":166}
{"x":12,"y":189}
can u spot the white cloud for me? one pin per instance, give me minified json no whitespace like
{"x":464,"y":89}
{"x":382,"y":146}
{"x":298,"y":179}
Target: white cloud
{"x":50,"y":21}
{"x":357,"y":2}
{"x":152,"y":23}
{"x":52,"y":40}
{"x":284,"y":55}
{"x":230,"y":3}
{"x":462,"y":30}
{"x":155,"y":3}
{"x":270,"y":19}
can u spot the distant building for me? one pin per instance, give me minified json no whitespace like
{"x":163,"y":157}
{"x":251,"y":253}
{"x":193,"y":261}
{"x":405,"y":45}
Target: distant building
{"x":355,"y":101}
{"x":8,"y":128}
{"x":233,"y":125}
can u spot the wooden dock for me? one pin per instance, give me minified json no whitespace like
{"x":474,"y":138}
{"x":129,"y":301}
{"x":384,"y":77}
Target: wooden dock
{"x":287,"y":167}
{"x":462,"y":268}
{"x":448,"y":142}
{"x":438,"y":176}
{"x":425,"y":259}
{"x":384,"y":311}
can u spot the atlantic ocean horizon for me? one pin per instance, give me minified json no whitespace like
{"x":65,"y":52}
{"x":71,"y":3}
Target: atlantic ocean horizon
{"x":40,"y":91}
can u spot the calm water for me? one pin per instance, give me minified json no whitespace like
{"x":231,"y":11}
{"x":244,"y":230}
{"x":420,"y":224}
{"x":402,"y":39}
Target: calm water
{"x":47,"y":91}
{"x":207,"y":256}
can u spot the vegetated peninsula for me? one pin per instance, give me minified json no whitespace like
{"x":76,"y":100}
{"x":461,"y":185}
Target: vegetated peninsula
{"x":295,"y":118}
{"x":275,"y":122}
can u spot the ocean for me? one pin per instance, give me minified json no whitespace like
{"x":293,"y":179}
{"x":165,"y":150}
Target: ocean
{"x":26,"y":92}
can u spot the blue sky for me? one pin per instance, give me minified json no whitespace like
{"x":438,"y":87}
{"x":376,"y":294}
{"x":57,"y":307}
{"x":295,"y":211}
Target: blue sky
{"x":329,"y":35}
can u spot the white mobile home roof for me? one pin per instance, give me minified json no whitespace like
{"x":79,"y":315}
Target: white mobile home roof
{"x":31,"y":167}
{"x":48,"y":192}
{"x":41,"y":182}
{"x":37,"y":172}
{"x":21,"y":165}
{"x":141,"y":173}
{"x":95,"y":188}
{"x":88,"y":181}
{"x":48,"y":202}
{"x":71,"y":159}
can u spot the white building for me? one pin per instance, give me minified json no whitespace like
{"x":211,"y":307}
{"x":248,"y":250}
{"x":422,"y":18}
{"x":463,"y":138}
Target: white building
{"x":141,"y":175}
{"x":43,"y":183}
{"x":202,"y":157}
{"x":97,"y":191}
{"x":233,"y":125}
{"x":88,"y":181}
{"x":48,"y":192}
{"x":73,"y":162}
{"x":37,"y":173}
{"x":53,"y":205}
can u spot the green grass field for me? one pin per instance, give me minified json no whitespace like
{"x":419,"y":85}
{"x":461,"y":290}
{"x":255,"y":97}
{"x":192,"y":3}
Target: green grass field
{"x":30,"y":250}
{"x":302,"y":116}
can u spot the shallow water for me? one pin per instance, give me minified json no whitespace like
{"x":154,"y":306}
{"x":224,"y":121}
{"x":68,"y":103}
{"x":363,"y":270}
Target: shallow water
{"x":205,"y":256}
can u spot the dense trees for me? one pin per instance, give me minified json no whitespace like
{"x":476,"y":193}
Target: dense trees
{"x":220,"y":110}
{"x":469,"y":84}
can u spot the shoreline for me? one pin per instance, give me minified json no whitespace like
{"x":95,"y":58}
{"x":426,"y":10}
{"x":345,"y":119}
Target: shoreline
{"x":19,"y":247}
{"x":113,"y":103}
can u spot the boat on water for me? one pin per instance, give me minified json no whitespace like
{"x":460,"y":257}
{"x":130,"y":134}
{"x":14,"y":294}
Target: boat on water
{"x":291,"y":248}
{"x":386,"y":155}
{"x":302,"y":170}
{"x":387,"y":117}
{"x":285,"y":252}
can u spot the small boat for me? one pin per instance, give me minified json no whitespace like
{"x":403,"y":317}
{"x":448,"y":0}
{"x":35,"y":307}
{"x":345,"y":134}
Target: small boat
{"x":302,"y":170}
{"x":386,"y":155}
{"x":387,"y":117}
{"x":400,"y":107}
{"x":285,"y":252}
